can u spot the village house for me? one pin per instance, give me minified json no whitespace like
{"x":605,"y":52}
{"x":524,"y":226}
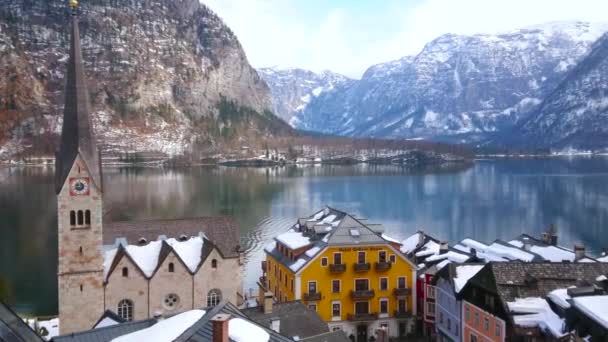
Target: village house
{"x":136,"y":269}
{"x":516,"y":301}
{"x":348,"y":271}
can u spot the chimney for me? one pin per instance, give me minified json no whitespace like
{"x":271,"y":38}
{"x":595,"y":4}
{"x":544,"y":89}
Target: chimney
{"x":545,"y":238}
{"x":553,"y":239}
{"x":527,"y":245}
{"x":420,"y":238}
{"x":220,"y":327}
{"x":579,"y":252}
{"x":275,"y":324}
{"x":443,"y":247}
{"x":268,"y":302}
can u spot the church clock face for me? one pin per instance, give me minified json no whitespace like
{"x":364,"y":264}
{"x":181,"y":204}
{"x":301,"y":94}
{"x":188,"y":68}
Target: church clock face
{"x":79,"y":186}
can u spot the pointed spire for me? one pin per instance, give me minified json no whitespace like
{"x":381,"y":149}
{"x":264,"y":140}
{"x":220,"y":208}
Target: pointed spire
{"x":77,"y":135}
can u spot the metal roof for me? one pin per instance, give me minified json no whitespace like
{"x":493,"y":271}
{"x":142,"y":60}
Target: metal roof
{"x":13,"y":328}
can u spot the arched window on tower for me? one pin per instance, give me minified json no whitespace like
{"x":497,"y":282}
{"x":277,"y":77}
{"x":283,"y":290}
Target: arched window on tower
{"x":72,"y":218}
{"x":80,"y":218}
{"x":87,"y":217}
{"x":214,"y":264}
{"x":171,"y":267}
{"x":125,"y":309}
{"x":214,"y":297}
{"x":125,"y":272}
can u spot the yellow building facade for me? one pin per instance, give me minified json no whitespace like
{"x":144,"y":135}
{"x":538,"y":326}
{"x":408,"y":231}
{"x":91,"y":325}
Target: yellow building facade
{"x":352,"y":274}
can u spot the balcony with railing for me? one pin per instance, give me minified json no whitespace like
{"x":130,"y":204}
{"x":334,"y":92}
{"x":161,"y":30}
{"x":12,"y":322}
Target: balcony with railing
{"x":362,"y":267}
{"x":402,"y":314}
{"x":312,"y":296}
{"x":402,"y":291}
{"x":337,"y":268}
{"x":383,"y":266}
{"x":359,"y":317}
{"x":362,"y":294}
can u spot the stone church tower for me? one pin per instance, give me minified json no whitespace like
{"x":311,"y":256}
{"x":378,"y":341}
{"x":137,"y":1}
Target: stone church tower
{"x":78,"y":184}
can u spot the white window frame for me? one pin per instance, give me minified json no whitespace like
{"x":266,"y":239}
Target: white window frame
{"x":326,"y":262}
{"x":364,"y":257}
{"x":388,"y":309}
{"x":339,"y":317}
{"x":316,"y":286}
{"x":430,"y":292}
{"x":355,"y":283}
{"x":311,"y":306}
{"x":404,"y":282}
{"x":392,"y":258}
{"x":385,"y":255}
{"x":334,"y":258}
{"x":339,"y":285}
{"x":380,"y":284}
{"x":369,"y":307}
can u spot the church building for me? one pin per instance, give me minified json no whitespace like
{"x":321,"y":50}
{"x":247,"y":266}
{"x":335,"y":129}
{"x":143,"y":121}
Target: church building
{"x":135,"y":269}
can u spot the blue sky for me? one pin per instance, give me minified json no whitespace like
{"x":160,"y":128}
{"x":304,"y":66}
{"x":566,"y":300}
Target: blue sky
{"x":348,"y":36}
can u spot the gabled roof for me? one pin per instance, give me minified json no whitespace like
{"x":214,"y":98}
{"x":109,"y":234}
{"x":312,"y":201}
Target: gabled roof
{"x":202,"y":331}
{"x":553,"y":253}
{"x":222,"y":231}
{"x":109,"y":316}
{"x":106,"y":334}
{"x":296,"y":319}
{"x":13,"y":328}
{"x":77,"y":137}
{"x":339,"y":229}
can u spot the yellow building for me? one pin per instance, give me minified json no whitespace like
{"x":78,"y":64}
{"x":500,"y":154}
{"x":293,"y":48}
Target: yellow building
{"x":350,"y":272}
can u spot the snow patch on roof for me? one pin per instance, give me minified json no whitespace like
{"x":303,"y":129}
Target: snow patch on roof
{"x":313,"y":251}
{"x":189,"y":251}
{"x":241,"y":330}
{"x":429,"y":248}
{"x":293,"y":240}
{"x":166,"y":330}
{"x":560,"y":297}
{"x":535,"y":312}
{"x":106,"y":322}
{"x":409,"y":245}
{"x":463,"y":274}
{"x":297,"y":265}
{"x":596,"y":307}
{"x":108,"y":258}
{"x":390,"y":239}
{"x":146,"y":257}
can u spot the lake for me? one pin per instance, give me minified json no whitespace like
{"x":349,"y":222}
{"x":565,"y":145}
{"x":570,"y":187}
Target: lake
{"x":488,"y":200}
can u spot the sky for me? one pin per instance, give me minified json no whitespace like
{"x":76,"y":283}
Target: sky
{"x":348,"y":36}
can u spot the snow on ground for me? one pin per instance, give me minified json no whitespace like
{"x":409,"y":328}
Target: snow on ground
{"x":596,"y":307}
{"x":463,"y":274}
{"x":189,"y":251}
{"x":241,"y":330}
{"x":560,"y":297}
{"x":390,"y":239}
{"x":313,"y":251}
{"x":297,"y":265}
{"x":146,"y":257}
{"x":293,"y":240}
{"x":534,"y":312}
{"x":165,"y":330}
{"x":410,"y":244}
{"x":52,"y":326}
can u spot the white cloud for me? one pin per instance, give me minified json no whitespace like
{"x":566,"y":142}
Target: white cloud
{"x":273,"y":32}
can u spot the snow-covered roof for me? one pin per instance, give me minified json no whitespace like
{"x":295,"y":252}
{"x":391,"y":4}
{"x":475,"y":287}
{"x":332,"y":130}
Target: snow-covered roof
{"x":409,"y":245}
{"x":560,"y":297}
{"x":390,"y":239}
{"x":293,"y":240}
{"x":463,"y":274}
{"x":147,"y":257}
{"x":241,"y":330}
{"x":165,"y":330}
{"x":549,"y":253}
{"x":595,"y":307}
{"x":534,"y":312}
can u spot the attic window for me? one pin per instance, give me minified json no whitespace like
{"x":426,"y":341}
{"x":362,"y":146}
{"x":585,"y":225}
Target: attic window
{"x":171,"y":267}
{"x":355,"y":233}
{"x":142,"y":241}
{"x":183,"y":237}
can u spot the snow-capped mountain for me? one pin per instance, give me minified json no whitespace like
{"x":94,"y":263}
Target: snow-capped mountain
{"x":575,"y":114}
{"x":293,"y":89}
{"x":458,"y":88}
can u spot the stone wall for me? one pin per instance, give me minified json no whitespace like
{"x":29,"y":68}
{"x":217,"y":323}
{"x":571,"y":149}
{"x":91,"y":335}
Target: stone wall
{"x":164,"y":283}
{"x":227,"y":277}
{"x":134,"y":287}
{"x":80,"y":273}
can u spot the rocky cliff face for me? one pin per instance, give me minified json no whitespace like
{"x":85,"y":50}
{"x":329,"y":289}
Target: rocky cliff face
{"x":575,"y":114}
{"x":293,"y":89}
{"x":166,"y":76}
{"x":459,"y":88}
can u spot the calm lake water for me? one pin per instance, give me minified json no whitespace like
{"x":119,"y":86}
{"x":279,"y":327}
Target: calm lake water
{"x":491,"y":199}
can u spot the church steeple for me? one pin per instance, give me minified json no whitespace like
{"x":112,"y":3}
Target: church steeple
{"x":77,"y":137}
